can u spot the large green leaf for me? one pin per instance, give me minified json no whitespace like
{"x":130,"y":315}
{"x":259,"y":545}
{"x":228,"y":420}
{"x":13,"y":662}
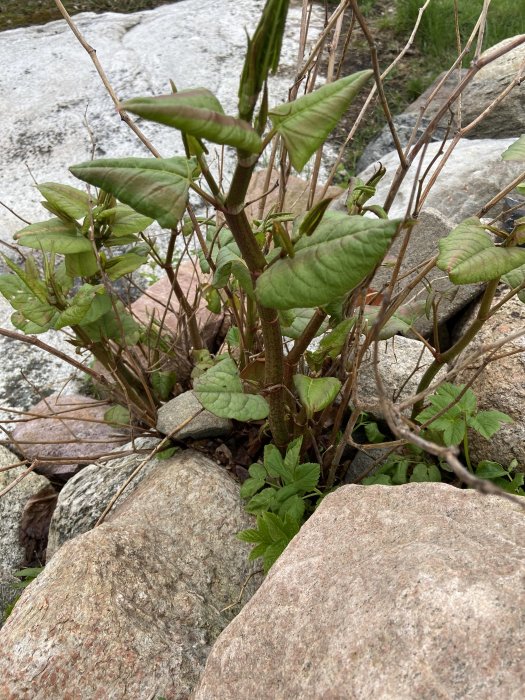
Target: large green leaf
{"x":516,"y":151}
{"x":67,"y":199}
{"x":468,"y":255}
{"x":305,"y":123}
{"x":54,"y":236}
{"x":514,"y":279}
{"x":199,"y":113}
{"x":155,"y":187}
{"x":335,"y":259}
{"x":316,"y":394}
{"x":220,"y":391}
{"x":116,"y":324}
{"x":122,"y":265}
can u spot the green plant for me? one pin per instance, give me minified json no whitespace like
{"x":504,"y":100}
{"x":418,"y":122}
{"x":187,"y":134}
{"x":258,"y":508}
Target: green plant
{"x":281,"y":493}
{"x":453,"y":410}
{"x":26,"y":576}
{"x":508,"y":479}
{"x":437,"y":35}
{"x":281,"y":277}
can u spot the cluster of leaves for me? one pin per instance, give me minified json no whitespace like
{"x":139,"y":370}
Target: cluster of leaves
{"x":280,"y":493}
{"x":452,"y":410}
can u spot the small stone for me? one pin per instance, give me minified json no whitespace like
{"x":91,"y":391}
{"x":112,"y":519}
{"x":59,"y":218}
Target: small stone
{"x":184,"y":406}
{"x":401,"y":363}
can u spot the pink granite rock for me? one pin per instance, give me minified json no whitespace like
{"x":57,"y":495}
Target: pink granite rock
{"x":406,"y":592}
{"x":70,"y":433}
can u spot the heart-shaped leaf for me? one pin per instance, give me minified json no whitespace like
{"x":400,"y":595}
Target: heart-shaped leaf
{"x":468,"y":255}
{"x":335,"y":259}
{"x":305,"y":123}
{"x":220,"y":391}
{"x":155,"y":187}
{"x":54,"y":236}
{"x":316,"y":394}
{"x":199,"y":113}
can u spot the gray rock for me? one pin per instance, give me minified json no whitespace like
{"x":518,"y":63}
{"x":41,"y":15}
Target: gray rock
{"x":71,"y":433}
{"x":501,"y":384}
{"x":412,"y":592}
{"x":84,"y":498}
{"x":473,"y":174}
{"x":365,"y":464}
{"x":423,"y":245}
{"x":12,"y":504}
{"x":130,"y":609}
{"x":184,"y":406}
{"x":384,"y":143}
{"x":402,"y":363}
{"x":507,"y":119}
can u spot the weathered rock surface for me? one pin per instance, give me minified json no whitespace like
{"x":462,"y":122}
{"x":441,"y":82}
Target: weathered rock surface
{"x":140,"y":53}
{"x":84,"y":498}
{"x":501,"y":384}
{"x":412,"y":592}
{"x":183,"y":407}
{"x":383,"y":143}
{"x":401,"y":363}
{"x":423,"y":245}
{"x":473,"y":174}
{"x":130,"y":609}
{"x":12,"y":551}
{"x":71,"y":431}
{"x":28,"y":373}
{"x":160,"y":304}
{"x":508,"y":118}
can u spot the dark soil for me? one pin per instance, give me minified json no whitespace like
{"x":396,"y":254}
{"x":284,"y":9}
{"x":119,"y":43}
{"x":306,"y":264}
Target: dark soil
{"x":14,"y":13}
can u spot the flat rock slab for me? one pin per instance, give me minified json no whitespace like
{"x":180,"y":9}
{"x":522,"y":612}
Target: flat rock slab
{"x":130,"y":609}
{"x":203,"y":425}
{"x":85,"y":496}
{"x":71,"y":433}
{"x":412,"y":592}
